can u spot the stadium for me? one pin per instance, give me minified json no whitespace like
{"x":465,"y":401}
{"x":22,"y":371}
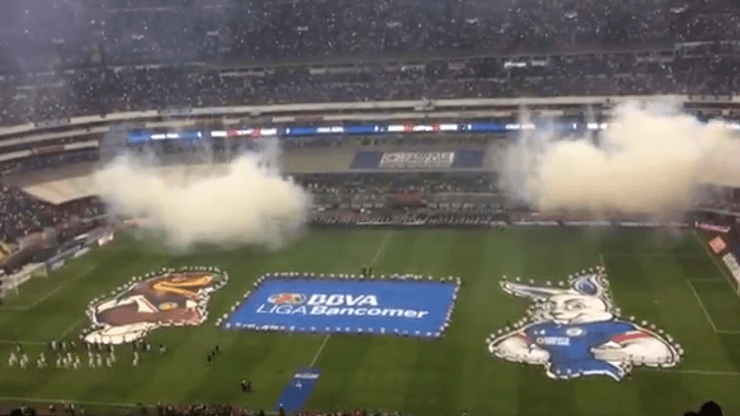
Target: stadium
{"x":398,"y":207}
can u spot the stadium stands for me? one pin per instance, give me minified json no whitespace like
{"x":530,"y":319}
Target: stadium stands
{"x":24,"y":214}
{"x":109,"y":90}
{"x":341,"y":51}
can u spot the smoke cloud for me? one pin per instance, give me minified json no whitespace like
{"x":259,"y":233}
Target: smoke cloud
{"x":243,"y":202}
{"x":652,"y":159}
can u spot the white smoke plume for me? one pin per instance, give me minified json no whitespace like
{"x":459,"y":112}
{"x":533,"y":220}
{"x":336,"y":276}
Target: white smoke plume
{"x":243,"y":202}
{"x":652,"y":159}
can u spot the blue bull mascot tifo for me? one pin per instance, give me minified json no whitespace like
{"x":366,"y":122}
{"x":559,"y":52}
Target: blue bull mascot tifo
{"x":573,"y":331}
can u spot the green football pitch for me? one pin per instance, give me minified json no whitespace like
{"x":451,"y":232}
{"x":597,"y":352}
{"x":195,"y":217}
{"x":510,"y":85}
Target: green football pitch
{"x":665,"y":279}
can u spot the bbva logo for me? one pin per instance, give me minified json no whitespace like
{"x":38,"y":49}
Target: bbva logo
{"x":324,"y":299}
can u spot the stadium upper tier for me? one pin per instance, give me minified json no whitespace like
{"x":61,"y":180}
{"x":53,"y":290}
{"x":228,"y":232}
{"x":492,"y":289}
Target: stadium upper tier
{"x":37,"y":33}
{"x":52,"y":97}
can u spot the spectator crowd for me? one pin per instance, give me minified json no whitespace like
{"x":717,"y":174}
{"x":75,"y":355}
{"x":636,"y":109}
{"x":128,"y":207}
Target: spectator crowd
{"x":200,"y":409}
{"x":398,"y":182}
{"x":119,"y":55}
{"x":24,"y":214}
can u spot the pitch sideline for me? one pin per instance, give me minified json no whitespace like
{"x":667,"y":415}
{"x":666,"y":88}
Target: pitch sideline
{"x":703,"y":308}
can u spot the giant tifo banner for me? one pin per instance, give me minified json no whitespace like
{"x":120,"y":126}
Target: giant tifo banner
{"x":412,"y":160}
{"x":302,"y":303}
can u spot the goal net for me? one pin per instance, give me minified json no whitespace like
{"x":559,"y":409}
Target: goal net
{"x":11,"y":283}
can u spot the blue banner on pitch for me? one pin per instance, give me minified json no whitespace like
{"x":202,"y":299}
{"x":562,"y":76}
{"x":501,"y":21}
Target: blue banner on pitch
{"x":403,"y":307}
{"x":299,"y":389}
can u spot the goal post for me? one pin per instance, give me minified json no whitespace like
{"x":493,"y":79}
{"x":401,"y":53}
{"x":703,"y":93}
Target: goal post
{"x":12,"y":283}
{"x":39,"y":270}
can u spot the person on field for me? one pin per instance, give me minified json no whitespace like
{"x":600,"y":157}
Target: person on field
{"x":246,"y":386}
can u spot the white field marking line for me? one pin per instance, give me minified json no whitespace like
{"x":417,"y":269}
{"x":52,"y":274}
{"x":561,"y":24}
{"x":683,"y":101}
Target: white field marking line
{"x":13,"y":308}
{"x":653,"y":255}
{"x":321,"y":348}
{"x":705,"y":279}
{"x":698,"y":299}
{"x":47,"y":296}
{"x":377,"y":255}
{"x":698,"y":372}
{"x":382,"y":246}
{"x":71,"y":328}
{"x":8,"y":341}
{"x":716,"y":262}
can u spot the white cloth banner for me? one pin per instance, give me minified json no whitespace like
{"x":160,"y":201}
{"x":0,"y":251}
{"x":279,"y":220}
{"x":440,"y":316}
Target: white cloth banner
{"x":411,"y":160}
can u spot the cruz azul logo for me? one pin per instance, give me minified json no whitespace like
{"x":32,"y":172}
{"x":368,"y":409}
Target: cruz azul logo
{"x":326,"y":304}
{"x":574,"y":331}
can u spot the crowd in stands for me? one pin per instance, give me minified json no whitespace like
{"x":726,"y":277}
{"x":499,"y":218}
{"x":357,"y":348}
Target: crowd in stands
{"x":48,"y":161}
{"x":216,"y":409}
{"x":205,"y":409}
{"x":135,"y":31}
{"x":102,"y":91}
{"x":398,"y":182}
{"x":24,"y":214}
{"x":154,"y":34}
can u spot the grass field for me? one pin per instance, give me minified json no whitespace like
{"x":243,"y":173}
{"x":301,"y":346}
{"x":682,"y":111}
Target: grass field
{"x":669,"y":281}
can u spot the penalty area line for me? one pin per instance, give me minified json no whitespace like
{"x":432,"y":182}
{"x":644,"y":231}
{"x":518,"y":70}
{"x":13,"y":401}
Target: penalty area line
{"x":71,"y":328}
{"x":50,"y":294}
{"x":10,"y":341}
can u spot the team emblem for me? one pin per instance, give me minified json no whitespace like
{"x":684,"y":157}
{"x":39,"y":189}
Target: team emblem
{"x":287,"y":299}
{"x":165,"y":299}
{"x":167,"y":306}
{"x":574,"y":331}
